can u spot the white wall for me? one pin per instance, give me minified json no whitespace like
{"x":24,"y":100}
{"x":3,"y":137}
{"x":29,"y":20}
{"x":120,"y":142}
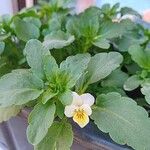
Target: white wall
{"x":8,"y":6}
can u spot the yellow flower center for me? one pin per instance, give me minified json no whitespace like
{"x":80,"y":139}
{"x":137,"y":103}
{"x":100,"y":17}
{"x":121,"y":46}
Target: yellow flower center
{"x":81,"y":118}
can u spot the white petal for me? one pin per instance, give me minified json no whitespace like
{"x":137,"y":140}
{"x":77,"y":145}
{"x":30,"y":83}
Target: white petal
{"x":87,"y":109}
{"x":88,"y":99}
{"x":69,"y":110}
{"x":77,"y":101}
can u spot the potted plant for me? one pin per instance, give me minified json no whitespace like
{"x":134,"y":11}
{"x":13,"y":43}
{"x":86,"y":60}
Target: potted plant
{"x":84,"y":67}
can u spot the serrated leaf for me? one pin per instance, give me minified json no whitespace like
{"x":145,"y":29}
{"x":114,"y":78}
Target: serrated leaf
{"x":102,"y":64}
{"x":57,"y":40}
{"x":59,"y":136}
{"x":132,"y":83}
{"x":40,"y":119}
{"x":115,"y":79}
{"x":19,"y":87}
{"x":35,"y":53}
{"x":140,"y":56}
{"x":25,"y":30}
{"x":126,"y":122}
{"x":75,"y":66}
{"x":7,"y":112}
{"x":50,"y":67}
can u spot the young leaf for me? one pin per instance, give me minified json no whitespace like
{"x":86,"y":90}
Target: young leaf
{"x":25,"y":30}
{"x":50,"y":67}
{"x":140,"y":56}
{"x":59,"y":136}
{"x":102,"y":64}
{"x":132,"y":83}
{"x":47,"y":95}
{"x":7,"y":112}
{"x":57,"y":40}
{"x":75,"y":66}
{"x":86,"y":26}
{"x":126,"y":122}
{"x":40,"y":119}
{"x":35,"y":52}
{"x":19,"y":87}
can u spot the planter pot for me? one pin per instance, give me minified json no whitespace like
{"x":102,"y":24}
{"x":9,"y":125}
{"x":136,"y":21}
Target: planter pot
{"x":89,"y":138}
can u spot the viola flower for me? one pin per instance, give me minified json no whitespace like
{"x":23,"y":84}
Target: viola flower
{"x":80,"y":109}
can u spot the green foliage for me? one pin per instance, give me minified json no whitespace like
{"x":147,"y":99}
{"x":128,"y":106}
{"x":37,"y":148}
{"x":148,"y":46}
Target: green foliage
{"x":19,"y":87}
{"x":140,"y":56}
{"x":35,"y":53}
{"x":96,"y":51}
{"x":2,"y":46}
{"x":115,"y":79}
{"x":123,"y":120}
{"x":57,"y":40}
{"x":132,"y":83}
{"x":40,"y":119}
{"x":25,"y":30}
{"x":102,"y":64}
{"x":59,"y":136}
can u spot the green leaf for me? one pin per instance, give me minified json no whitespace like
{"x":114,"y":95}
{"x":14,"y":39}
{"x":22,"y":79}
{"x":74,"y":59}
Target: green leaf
{"x":126,"y":122}
{"x":127,"y":11}
{"x":59,"y":136}
{"x":25,"y":30}
{"x":19,"y":87}
{"x":102,"y":64}
{"x":72,"y":26}
{"x":82,"y":25}
{"x":75,"y":66}
{"x":57,"y":40}
{"x":7,"y":112}
{"x":115,"y":79}
{"x":4,"y":36}
{"x":86,"y":26}
{"x":2,"y":46}
{"x":110,"y":30}
{"x":60,"y":109}
{"x":101,"y":43}
{"x":66,"y":97}
{"x":47,"y":95}
{"x":33,"y":20}
{"x":35,"y":52}
{"x":146,"y":90}
{"x":132,"y":83}
{"x":50,"y":67}
{"x":140,"y":56}
{"x":40,"y":119}
{"x":127,"y":40}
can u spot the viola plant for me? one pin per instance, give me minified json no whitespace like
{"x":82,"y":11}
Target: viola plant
{"x":75,"y":69}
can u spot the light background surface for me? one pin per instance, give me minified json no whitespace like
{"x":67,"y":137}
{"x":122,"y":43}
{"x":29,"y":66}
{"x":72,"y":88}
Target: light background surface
{"x":139,"y":5}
